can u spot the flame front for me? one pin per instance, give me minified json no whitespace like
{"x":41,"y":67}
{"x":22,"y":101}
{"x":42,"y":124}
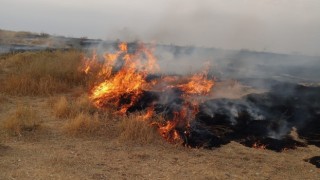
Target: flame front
{"x":126,"y":83}
{"x":198,"y":84}
{"x":258,"y":145}
{"x":122,"y":80}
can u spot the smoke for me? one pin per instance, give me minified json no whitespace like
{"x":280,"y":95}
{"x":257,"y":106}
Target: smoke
{"x":189,"y":30}
{"x":258,"y":25}
{"x":277,"y":26}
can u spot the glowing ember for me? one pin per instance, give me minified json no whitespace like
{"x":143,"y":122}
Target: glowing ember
{"x":258,"y":145}
{"x":149,"y":114}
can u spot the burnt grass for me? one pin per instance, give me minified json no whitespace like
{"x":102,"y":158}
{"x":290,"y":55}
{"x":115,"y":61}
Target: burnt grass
{"x":266,"y":118}
{"x":261,"y":118}
{"x":314,"y":160}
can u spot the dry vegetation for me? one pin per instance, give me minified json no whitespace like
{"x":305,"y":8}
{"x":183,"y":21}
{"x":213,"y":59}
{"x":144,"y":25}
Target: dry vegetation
{"x":23,"y":37}
{"x":133,"y":129}
{"x":83,"y":124}
{"x":41,"y":73}
{"x":23,"y":119}
{"x":45,"y":91}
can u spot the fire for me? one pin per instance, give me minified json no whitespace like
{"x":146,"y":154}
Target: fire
{"x":149,"y":114}
{"x":122,"y":81}
{"x":168,"y":132}
{"x":89,"y":63}
{"x":198,"y":84}
{"x":128,"y":83}
{"x":258,"y":145}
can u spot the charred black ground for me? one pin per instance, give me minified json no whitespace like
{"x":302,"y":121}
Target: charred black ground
{"x":314,"y":160}
{"x":256,"y":119}
{"x":265,"y":119}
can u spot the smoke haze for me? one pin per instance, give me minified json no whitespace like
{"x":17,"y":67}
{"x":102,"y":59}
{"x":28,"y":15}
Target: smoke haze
{"x":284,"y":26}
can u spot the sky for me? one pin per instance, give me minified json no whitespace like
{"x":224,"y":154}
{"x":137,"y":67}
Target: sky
{"x":283,"y":26}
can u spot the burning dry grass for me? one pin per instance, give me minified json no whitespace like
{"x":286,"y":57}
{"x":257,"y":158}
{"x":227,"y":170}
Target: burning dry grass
{"x":133,"y":129}
{"x":41,"y":73}
{"x":23,"y":119}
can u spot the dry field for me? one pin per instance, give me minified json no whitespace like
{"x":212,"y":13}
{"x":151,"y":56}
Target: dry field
{"x":50,"y":130}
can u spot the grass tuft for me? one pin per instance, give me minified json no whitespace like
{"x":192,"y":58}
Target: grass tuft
{"x":62,"y":108}
{"x":69,"y":108}
{"x":83,"y":105}
{"x":83,"y":124}
{"x":3,"y":99}
{"x":133,"y":129}
{"x":24,"y":119}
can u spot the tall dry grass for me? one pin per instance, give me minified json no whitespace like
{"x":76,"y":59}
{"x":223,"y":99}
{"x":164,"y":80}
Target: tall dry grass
{"x":79,"y":115}
{"x":64,"y":107}
{"x":41,"y":73}
{"x":3,"y":99}
{"x":83,"y":124}
{"x":133,"y":129}
{"x":23,"y":119}
{"x":82,"y":118}
{"x":48,"y":73}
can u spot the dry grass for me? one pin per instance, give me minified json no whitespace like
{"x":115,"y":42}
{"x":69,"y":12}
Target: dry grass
{"x":83,"y":104}
{"x":69,"y":108}
{"x":45,"y":73}
{"x":62,"y":108}
{"x":24,"y":119}
{"x":133,"y":129}
{"x":41,"y":73}
{"x":81,"y":117}
{"x":3,"y":99}
{"x":83,"y":124}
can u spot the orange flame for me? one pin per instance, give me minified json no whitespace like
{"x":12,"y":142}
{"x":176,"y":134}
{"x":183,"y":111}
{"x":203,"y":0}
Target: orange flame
{"x":198,"y":84}
{"x":89,"y":63}
{"x":258,"y":145}
{"x":149,"y":114}
{"x":121,"y":81}
{"x":128,"y":82}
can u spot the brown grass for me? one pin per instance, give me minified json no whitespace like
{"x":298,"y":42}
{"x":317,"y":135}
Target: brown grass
{"x":81,"y":117}
{"x":3,"y":99}
{"x":41,"y":73}
{"x":62,"y":108}
{"x":45,"y":73}
{"x":65,"y":107}
{"x":83,"y":104}
{"x":24,"y":119}
{"x":133,"y":129}
{"x":83,"y":124}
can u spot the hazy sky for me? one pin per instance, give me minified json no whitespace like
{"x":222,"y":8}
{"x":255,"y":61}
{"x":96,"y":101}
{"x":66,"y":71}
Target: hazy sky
{"x":270,"y":25}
